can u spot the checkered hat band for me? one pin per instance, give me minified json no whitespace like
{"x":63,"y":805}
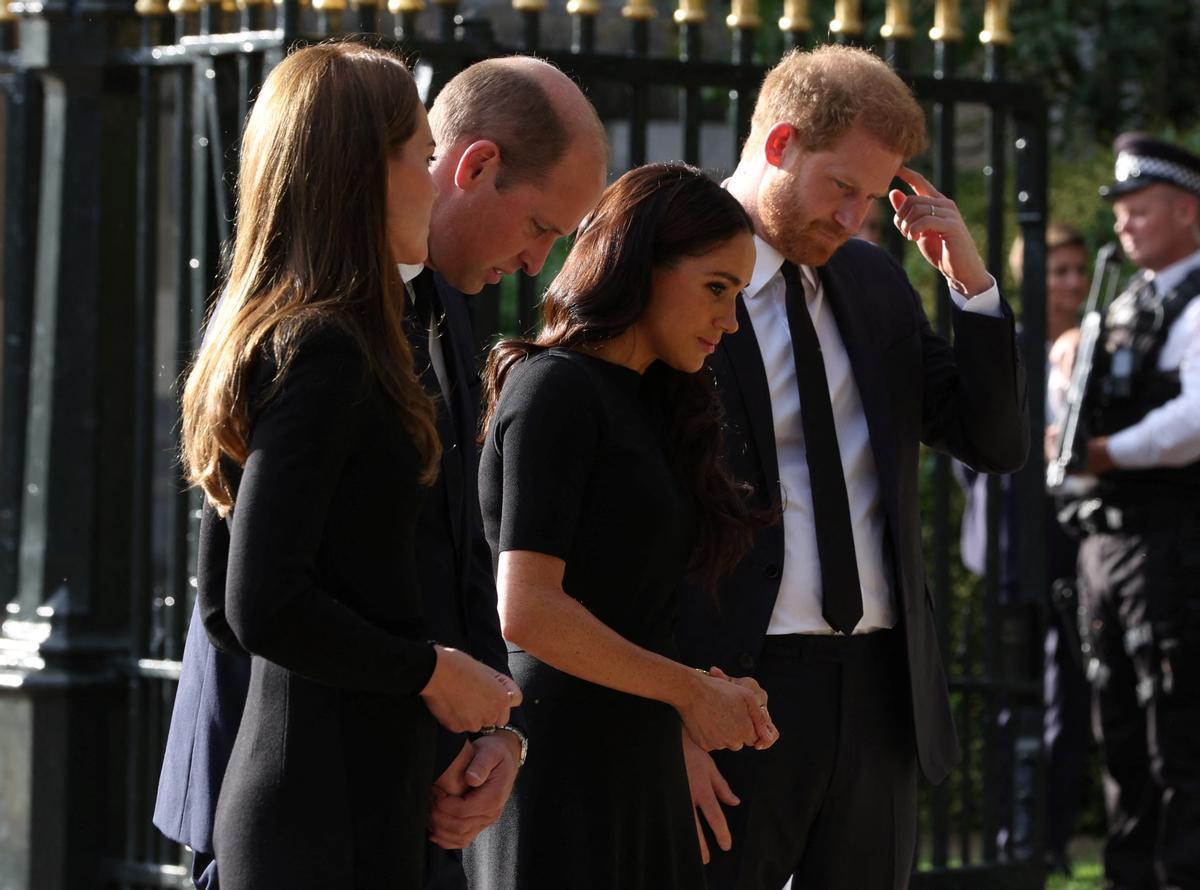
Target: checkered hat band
{"x":1131,"y":166}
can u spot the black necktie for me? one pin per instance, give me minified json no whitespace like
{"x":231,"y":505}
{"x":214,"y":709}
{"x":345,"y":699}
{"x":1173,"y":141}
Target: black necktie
{"x":422,"y":325}
{"x":841,"y":595}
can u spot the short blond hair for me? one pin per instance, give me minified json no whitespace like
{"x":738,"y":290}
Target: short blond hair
{"x":826,"y":91}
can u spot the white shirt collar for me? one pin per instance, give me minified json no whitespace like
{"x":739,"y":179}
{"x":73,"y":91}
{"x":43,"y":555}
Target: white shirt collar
{"x":409,"y":271}
{"x":1166,"y":280}
{"x":767,"y":263}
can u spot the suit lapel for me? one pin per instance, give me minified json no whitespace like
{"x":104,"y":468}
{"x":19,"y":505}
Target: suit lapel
{"x":451,"y":426}
{"x":742,"y":353}
{"x":851,"y":305}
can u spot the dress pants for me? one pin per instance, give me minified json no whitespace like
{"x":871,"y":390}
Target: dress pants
{"x":834,"y":801}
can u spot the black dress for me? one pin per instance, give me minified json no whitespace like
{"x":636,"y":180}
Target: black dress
{"x":574,"y":467}
{"x":328,"y":781}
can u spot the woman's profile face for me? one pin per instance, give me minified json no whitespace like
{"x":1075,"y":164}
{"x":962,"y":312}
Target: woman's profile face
{"x":693,"y":303}
{"x":410,"y":195}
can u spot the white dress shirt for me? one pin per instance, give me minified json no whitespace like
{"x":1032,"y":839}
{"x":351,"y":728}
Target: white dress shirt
{"x":798,"y":606}
{"x":1169,"y":436}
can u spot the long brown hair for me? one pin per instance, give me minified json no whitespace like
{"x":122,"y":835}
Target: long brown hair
{"x":311,"y":251}
{"x":650,"y":218}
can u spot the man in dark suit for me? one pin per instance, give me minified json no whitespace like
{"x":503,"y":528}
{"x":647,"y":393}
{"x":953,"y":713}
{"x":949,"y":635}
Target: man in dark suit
{"x":522,"y":157}
{"x":830,"y":385}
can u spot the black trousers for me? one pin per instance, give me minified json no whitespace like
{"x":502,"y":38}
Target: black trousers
{"x":834,"y":801}
{"x":1067,"y":699}
{"x":1141,"y":593}
{"x":443,"y":870}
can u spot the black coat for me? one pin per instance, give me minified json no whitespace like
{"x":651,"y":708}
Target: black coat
{"x":459,"y":605}
{"x":967,"y":399}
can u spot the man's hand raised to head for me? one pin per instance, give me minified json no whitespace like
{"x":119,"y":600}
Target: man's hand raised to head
{"x":932,"y":220}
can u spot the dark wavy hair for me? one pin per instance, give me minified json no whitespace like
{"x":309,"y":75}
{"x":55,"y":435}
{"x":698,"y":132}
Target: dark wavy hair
{"x":650,"y":218}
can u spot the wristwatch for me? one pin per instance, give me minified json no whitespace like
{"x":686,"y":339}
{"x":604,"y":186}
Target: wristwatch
{"x":515,"y":730}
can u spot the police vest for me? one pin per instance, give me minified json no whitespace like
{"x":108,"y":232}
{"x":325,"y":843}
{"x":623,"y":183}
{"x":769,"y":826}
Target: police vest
{"x":1126,"y":383}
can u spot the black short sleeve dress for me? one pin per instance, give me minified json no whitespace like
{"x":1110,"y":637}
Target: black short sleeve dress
{"x":574,"y":467}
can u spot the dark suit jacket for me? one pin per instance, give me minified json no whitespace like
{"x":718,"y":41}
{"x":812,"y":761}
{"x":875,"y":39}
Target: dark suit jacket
{"x":459,"y":603}
{"x":967,"y":399}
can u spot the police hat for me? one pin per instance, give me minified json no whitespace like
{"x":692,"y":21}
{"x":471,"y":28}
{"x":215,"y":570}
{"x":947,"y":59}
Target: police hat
{"x":1143,"y":160}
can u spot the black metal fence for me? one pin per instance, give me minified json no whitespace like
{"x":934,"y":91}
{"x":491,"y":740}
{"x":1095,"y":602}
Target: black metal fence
{"x":120,"y":129}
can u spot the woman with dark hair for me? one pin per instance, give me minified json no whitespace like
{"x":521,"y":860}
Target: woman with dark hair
{"x":310,"y":437}
{"x":601,"y":488}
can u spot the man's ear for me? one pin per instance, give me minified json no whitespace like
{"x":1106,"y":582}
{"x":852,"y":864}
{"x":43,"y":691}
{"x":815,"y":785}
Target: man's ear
{"x":1187,"y":210}
{"x":479,"y":163}
{"x":776,"y":144}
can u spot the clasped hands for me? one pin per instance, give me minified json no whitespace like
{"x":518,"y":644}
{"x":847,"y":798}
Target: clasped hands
{"x":470,"y":794}
{"x":723,"y":712}
{"x":708,"y":787}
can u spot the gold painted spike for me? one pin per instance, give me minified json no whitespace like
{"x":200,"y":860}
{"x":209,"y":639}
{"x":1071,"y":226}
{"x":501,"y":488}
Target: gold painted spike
{"x":583,"y":7}
{"x":142,"y":7}
{"x":398,"y":6}
{"x":795,"y":16}
{"x":995,"y":23}
{"x":847,"y":18}
{"x":7,"y":15}
{"x":639,"y":10}
{"x":529,"y":5}
{"x":183,"y":7}
{"x":690,"y":12}
{"x":897,"y":21}
{"x":302,"y":2}
{"x":329,"y":5}
{"x":247,"y":4}
{"x":744,"y":14}
{"x":946,"y":22}
{"x":229,"y":6}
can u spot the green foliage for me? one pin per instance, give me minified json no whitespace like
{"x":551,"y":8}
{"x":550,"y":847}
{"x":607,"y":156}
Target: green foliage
{"x":1086,"y":876}
{"x":1110,"y":65}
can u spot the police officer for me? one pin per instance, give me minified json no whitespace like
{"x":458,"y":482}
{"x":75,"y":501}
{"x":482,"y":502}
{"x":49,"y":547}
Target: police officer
{"x":1139,"y":562}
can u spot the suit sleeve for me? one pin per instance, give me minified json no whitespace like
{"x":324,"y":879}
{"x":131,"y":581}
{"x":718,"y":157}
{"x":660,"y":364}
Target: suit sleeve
{"x":275,"y":604}
{"x":974,"y":400}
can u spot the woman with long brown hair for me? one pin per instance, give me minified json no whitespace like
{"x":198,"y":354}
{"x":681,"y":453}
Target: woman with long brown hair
{"x":311,"y":439}
{"x":601,"y":488}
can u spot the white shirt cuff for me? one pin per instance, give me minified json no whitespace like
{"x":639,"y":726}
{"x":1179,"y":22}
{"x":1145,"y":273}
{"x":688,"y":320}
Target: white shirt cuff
{"x":986,"y":303}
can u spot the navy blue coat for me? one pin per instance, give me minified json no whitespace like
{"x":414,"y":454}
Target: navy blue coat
{"x":459,"y":602}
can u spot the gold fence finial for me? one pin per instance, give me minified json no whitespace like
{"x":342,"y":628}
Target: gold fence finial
{"x":529,"y":5}
{"x":583,"y":7}
{"x":897,"y":21}
{"x":329,"y":5}
{"x":690,"y":12}
{"x":847,"y":18}
{"x":398,"y":6}
{"x":142,"y":7}
{"x":744,"y":14}
{"x":946,"y":22}
{"x":639,"y":10}
{"x":795,"y":16}
{"x":995,"y":23}
{"x":183,"y":7}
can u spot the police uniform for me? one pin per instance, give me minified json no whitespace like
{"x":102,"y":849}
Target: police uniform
{"x":1139,"y":562}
